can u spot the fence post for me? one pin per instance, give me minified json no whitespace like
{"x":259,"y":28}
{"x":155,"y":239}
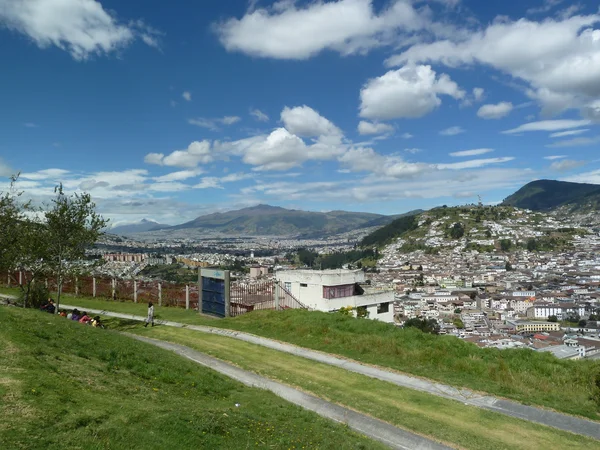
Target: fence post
{"x":187,"y":296}
{"x":76,"y":286}
{"x":134,"y":291}
{"x":159,"y":294}
{"x":277,"y":295}
{"x":8,"y":277}
{"x":114,"y":296}
{"x":20,"y":278}
{"x":93,"y":286}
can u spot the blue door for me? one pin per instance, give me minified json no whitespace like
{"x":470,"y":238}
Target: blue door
{"x":213,"y":296}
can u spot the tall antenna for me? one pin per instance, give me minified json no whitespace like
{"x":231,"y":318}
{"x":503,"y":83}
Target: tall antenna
{"x":480,"y":204}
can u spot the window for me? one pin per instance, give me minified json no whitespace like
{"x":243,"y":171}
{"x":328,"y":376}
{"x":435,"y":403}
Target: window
{"x":382,"y":308}
{"x":345,"y":290}
{"x":303,"y":285}
{"x":287,"y":285}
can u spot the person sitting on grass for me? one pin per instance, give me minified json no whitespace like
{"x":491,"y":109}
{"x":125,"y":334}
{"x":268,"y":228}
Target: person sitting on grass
{"x":96,"y":322}
{"x":76,"y":315}
{"x":85,"y":319}
{"x":62,"y":314}
{"x":48,"y":306}
{"x":70,"y":315}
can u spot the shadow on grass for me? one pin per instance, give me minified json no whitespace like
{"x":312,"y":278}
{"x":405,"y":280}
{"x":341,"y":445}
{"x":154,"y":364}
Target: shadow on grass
{"x":114,"y":323}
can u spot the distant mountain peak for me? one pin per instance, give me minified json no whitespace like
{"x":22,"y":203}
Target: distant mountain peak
{"x":545,"y":195}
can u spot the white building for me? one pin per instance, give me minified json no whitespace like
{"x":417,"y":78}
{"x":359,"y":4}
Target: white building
{"x":560,"y":311}
{"x":330,"y":290}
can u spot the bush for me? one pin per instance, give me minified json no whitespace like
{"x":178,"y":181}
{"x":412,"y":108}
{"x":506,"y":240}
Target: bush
{"x":38,"y":295}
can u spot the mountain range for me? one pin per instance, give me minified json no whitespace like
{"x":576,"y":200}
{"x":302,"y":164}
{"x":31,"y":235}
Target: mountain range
{"x":266,"y":220}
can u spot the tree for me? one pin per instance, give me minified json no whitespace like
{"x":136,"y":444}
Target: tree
{"x":457,"y":231}
{"x":22,"y":241}
{"x":505,"y":245}
{"x":593,"y":317}
{"x":573,"y":317}
{"x":508,"y":266}
{"x":12,"y":216}
{"x":532,"y":245}
{"x":72,"y":225}
{"x":458,"y":323}
{"x":425,"y":325}
{"x":552,"y":319}
{"x":362,"y":313}
{"x":582,"y":323}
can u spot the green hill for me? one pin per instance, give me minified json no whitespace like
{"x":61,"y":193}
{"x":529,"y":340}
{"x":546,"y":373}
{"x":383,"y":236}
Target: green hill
{"x":66,"y":385}
{"x":545,"y":195}
{"x":471,"y":227}
{"x":390,"y":231}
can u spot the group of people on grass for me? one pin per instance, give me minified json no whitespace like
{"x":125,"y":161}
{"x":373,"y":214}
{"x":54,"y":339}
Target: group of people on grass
{"x":76,"y":315}
{"x":82,"y":317}
{"x":87,"y":320}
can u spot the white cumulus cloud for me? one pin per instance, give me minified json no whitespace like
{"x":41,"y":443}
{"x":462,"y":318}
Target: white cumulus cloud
{"x":558,"y":59}
{"x":497,"y":111}
{"x":187,"y":96}
{"x":365,"y":127}
{"x":289,"y":31}
{"x":81,"y":27}
{"x":196,"y":153}
{"x":409,"y":92}
{"x":304,"y":121}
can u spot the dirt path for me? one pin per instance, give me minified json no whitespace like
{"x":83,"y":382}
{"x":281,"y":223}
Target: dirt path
{"x":370,"y":427}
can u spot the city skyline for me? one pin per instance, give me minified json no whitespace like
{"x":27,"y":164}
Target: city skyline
{"x":171,"y":112}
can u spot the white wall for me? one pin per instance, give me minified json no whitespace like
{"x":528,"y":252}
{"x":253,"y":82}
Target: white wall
{"x":312,"y":294}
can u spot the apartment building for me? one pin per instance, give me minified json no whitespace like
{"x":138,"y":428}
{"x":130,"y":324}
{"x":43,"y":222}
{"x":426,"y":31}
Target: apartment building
{"x":330,"y":290}
{"x":561,"y":311}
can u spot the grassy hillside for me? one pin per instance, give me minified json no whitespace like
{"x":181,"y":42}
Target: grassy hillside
{"x":523,"y":375}
{"x":388,"y":233}
{"x":439,"y":418}
{"x":544,"y":195}
{"x":65,"y":385}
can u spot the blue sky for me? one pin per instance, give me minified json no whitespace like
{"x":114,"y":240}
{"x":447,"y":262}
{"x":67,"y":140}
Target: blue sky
{"x":171,"y":110}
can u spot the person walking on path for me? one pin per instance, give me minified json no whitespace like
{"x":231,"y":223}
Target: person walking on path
{"x":150,"y":318}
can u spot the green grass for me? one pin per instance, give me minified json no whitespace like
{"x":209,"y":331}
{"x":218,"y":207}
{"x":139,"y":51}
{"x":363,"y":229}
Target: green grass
{"x":523,"y":375}
{"x":65,"y":385}
{"x":438,"y":418}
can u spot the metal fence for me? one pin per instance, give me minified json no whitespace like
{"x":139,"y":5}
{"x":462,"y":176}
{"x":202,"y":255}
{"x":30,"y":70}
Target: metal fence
{"x":244,"y":296}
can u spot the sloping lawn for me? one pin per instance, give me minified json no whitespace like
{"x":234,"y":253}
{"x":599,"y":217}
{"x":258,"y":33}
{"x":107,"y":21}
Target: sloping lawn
{"x":66,"y":385}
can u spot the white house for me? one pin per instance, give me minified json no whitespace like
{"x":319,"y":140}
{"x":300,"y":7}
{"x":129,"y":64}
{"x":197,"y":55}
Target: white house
{"x":330,"y":290}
